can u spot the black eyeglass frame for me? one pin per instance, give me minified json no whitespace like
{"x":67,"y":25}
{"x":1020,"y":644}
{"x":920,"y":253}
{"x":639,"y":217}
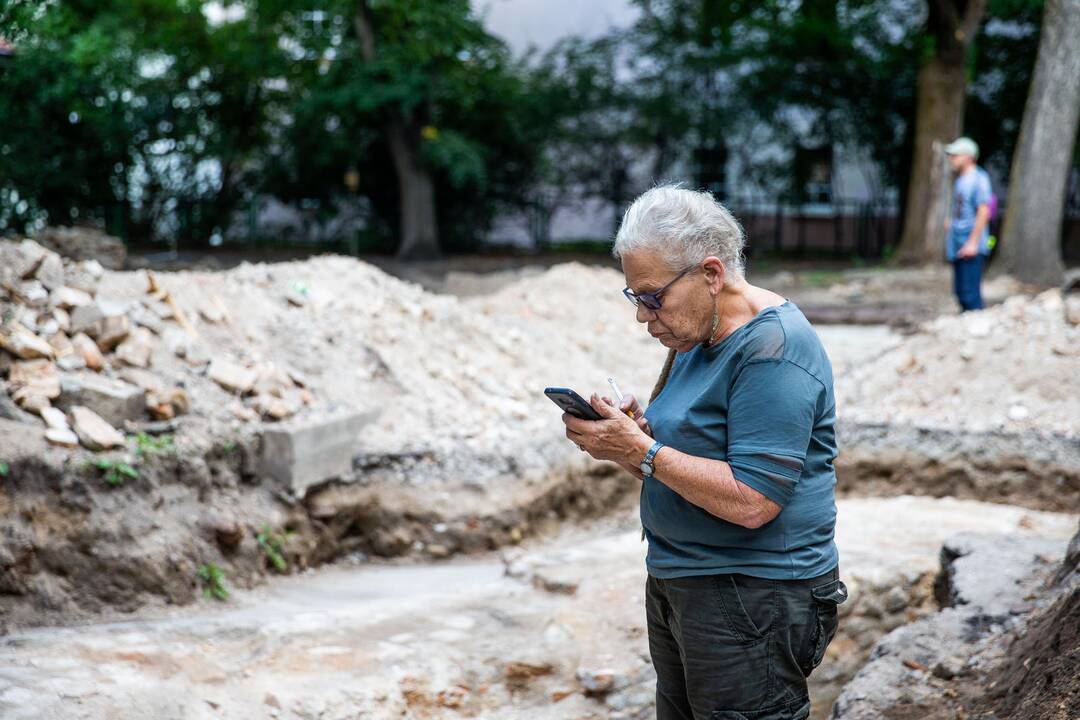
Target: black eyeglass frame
{"x":651,"y":300}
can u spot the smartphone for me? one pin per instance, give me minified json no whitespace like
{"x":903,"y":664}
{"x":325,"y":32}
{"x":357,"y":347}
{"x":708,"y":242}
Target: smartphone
{"x":572,"y":403}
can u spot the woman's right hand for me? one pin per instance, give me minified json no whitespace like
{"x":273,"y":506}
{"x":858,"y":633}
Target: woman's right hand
{"x":629,"y":402}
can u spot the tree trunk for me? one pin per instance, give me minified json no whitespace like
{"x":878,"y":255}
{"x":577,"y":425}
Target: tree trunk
{"x":419,"y":233}
{"x":1031,"y":238}
{"x":940,"y":94}
{"x":416,"y":191}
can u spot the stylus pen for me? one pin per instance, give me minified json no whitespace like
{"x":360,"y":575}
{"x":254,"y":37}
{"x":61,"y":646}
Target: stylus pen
{"x":615,"y":386}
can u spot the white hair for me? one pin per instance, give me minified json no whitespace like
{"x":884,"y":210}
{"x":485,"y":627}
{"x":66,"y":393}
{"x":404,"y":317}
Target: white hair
{"x":684,"y":226}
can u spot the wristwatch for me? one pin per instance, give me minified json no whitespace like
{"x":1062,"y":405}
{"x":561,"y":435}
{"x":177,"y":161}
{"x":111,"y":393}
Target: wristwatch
{"x":647,"y":464}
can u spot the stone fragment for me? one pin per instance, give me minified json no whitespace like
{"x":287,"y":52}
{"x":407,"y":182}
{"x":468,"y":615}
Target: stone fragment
{"x":61,"y":344}
{"x":85,"y":276}
{"x":48,"y":327}
{"x":93,"y":431}
{"x":136,"y":349}
{"x":167,"y":404}
{"x":63,"y":437}
{"x":1072,"y":309}
{"x":21,"y":259}
{"x":213,"y":310}
{"x":83,"y":317}
{"x":232,"y":377}
{"x":54,"y":418}
{"x":34,"y":377}
{"x":226,"y":531}
{"x":274,"y":408}
{"x":63,"y":319}
{"x":162,"y":310}
{"x":1018,"y":412}
{"x":596,"y":681}
{"x":88,"y":350}
{"x":302,"y":453}
{"x":71,"y":363}
{"x":18,"y":340}
{"x":242,"y":412}
{"x":51,"y":271}
{"x":68,"y":297}
{"x":32,"y":293}
{"x":85,"y":243}
{"x":141,"y":378}
{"x":140,"y":315}
{"x":110,"y":331}
{"x":112,"y":399}
{"x":29,"y":401}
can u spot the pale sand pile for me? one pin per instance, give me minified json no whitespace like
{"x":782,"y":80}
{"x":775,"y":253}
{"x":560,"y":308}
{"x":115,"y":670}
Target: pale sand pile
{"x":1013,"y":367}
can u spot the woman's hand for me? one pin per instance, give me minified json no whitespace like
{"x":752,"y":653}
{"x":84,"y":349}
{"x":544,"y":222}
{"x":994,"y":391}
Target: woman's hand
{"x":630,"y":403}
{"x":615,"y":437}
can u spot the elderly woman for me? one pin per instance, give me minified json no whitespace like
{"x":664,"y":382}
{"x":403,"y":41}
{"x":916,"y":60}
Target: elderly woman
{"x":736,"y":456}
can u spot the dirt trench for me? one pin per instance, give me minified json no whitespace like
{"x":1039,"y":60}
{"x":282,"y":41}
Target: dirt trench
{"x":75,"y":548}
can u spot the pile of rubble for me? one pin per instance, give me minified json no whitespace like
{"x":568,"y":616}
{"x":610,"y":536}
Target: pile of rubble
{"x":451,"y":377}
{"x":938,"y":377}
{"x":84,"y":361}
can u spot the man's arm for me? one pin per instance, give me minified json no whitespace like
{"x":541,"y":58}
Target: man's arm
{"x":970,"y":248}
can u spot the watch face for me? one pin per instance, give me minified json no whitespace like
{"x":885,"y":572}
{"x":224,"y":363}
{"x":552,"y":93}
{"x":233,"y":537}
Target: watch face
{"x":646,"y":468}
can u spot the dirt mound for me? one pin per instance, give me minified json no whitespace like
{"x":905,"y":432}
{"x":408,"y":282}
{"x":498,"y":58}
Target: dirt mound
{"x":1012,"y":367}
{"x":1040,"y":677}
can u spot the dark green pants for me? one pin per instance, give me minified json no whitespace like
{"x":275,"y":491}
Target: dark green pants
{"x":734,"y":647}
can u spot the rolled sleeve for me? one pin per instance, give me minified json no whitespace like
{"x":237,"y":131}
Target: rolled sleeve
{"x":771,"y":413}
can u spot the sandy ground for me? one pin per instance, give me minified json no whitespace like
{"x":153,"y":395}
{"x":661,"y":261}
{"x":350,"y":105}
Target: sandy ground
{"x":522,"y":635}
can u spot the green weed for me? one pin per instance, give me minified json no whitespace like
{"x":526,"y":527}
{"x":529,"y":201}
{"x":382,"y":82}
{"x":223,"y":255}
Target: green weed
{"x":4,"y":469}
{"x":213,"y":579}
{"x":115,"y":471}
{"x":150,"y":445}
{"x":271,"y":543}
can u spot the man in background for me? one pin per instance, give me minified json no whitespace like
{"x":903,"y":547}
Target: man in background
{"x":968,"y":242}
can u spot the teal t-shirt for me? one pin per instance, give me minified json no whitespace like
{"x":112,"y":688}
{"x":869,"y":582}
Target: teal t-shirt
{"x":762,"y":401}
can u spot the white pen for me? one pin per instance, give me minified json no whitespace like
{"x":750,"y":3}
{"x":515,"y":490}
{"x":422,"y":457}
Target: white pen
{"x":615,"y":386}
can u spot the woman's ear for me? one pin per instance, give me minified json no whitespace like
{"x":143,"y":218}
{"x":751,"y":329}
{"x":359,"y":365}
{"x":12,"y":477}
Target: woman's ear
{"x":715,"y":273}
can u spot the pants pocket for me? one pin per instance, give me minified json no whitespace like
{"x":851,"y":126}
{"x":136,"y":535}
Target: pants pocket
{"x":748,"y":605}
{"x":825,"y":599}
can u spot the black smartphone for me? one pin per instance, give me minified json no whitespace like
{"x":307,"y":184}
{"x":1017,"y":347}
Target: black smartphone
{"x":572,"y":403}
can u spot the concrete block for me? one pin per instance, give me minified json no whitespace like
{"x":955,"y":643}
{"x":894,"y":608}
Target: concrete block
{"x":306,"y":451}
{"x":114,"y":400}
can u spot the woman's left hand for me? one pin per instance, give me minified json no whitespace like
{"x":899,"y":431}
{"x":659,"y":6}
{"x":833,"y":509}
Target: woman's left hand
{"x":616,"y":437}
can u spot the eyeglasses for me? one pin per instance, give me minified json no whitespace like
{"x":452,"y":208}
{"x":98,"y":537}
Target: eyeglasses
{"x":651,"y":300}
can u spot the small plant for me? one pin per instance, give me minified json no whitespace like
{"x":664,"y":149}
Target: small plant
{"x":213,"y":579}
{"x":146,"y":444}
{"x":271,"y":543}
{"x":4,"y":469}
{"x":115,"y":471}
{"x":229,"y":446}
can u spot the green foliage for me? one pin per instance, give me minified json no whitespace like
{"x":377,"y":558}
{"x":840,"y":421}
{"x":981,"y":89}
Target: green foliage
{"x":4,"y":469}
{"x":1003,"y":61}
{"x":148,"y":115}
{"x":272,"y":545}
{"x":146,"y":444}
{"x":113,"y":472}
{"x":229,"y":446}
{"x":213,"y":579}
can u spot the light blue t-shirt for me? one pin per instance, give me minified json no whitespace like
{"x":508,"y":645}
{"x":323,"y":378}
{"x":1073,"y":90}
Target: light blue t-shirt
{"x":761,"y":400}
{"x":970,"y":190}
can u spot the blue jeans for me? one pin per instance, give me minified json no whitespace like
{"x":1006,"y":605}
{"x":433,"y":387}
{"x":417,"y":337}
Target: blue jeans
{"x":967,"y":282}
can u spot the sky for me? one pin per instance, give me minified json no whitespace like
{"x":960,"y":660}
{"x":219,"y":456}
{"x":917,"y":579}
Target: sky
{"x":542,"y":22}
